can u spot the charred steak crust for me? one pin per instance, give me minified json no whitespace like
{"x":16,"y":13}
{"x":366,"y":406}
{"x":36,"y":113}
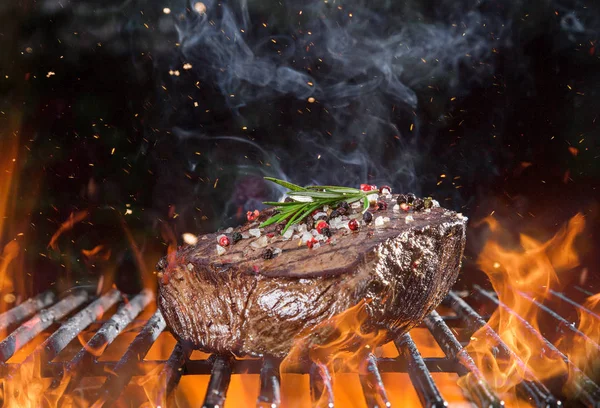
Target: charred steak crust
{"x":239,"y":302}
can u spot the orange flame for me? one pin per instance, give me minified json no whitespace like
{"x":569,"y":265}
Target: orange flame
{"x":68,"y":225}
{"x":519,"y":275}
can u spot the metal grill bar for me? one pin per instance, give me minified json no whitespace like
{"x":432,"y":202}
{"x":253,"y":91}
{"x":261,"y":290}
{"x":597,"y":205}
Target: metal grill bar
{"x":372,"y":384}
{"x":221,"y":368}
{"x":582,"y":386}
{"x":563,"y":325}
{"x":576,"y":305}
{"x":480,"y":389}
{"x":171,"y":374}
{"x":25,"y":309}
{"x":125,"y":368}
{"x":428,"y":392}
{"x":321,"y":386}
{"x":539,"y":394}
{"x":103,"y":337}
{"x":269,"y":395}
{"x":40,"y":322}
{"x":218,"y":383}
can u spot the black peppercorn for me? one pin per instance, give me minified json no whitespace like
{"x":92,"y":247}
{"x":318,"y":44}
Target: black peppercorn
{"x":267,"y":253}
{"x":402,"y":199}
{"x":310,"y":223}
{"x":279,"y":228}
{"x":334,"y":214}
{"x":235,"y":237}
{"x":367,"y":217}
{"x":326,"y":231}
{"x":428,"y":202}
{"x":343,"y":205}
{"x":287,"y":200}
{"x":410,"y":198}
{"x":381,"y":205}
{"x":418,"y":204}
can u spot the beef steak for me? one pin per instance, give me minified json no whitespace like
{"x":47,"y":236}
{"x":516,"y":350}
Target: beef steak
{"x":259,"y":295}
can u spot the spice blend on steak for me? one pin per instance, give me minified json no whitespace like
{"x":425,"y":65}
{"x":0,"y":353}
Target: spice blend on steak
{"x":265,"y":291}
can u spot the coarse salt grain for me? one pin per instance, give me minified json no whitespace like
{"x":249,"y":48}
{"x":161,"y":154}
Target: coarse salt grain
{"x":220,"y":250}
{"x":288,"y":234}
{"x":373,"y":198}
{"x":396,"y":208}
{"x":245,"y":235}
{"x":306,"y":236}
{"x":229,"y":230}
{"x":260,"y":243}
{"x":255,"y":232}
{"x":276,"y":251}
{"x":408,"y":219}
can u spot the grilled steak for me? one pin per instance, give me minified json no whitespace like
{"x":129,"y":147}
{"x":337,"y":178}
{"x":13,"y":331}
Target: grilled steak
{"x":260,"y":294}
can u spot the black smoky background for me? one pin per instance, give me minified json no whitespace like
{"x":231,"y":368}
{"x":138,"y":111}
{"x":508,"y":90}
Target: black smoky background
{"x":162,"y":117}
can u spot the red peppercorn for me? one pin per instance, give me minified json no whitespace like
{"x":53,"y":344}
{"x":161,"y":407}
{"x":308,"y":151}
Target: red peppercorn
{"x":223,"y":241}
{"x":252,"y":215}
{"x":353,"y":225}
{"x":310,"y":243}
{"x":320,"y":225}
{"x":404,"y":207}
{"x":367,"y":187}
{"x":383,"y":188}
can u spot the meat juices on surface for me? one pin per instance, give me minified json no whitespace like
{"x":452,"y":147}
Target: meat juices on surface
{"x":243,"y":304}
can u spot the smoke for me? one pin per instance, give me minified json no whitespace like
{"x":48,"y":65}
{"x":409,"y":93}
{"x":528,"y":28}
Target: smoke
{"x":341,"y":84}
{"x":323,"y":91}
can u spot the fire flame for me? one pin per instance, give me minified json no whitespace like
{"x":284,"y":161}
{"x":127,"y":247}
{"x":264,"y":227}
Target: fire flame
{"x":521,"y":276}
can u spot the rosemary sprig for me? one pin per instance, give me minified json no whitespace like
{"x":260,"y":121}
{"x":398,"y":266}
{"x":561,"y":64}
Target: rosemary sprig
{"x":305,"y":200}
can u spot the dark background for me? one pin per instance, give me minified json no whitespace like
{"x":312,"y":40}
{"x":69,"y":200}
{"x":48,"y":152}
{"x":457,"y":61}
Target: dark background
{"x":485,"y":105}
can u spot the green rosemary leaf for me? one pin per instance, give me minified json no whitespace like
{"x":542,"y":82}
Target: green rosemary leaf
{"x":353,"y":199}
{"x":300,"y":215}
{"x":285,"y":184}
{"x":314,"y":194}
{"x":365,"y":204}
{"x":334,"y":189}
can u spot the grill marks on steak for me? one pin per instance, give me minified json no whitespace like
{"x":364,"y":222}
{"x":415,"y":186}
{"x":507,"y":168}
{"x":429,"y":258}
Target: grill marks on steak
{"x":241,"y":303}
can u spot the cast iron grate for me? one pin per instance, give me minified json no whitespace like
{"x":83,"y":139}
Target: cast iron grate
{"x":38,"y":314}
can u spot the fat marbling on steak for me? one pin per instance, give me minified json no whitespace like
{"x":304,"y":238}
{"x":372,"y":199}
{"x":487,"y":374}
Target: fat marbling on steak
{"x":259,"y":295}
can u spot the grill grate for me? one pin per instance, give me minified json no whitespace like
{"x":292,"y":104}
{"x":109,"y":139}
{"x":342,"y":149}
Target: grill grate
{"x":40,"y":313}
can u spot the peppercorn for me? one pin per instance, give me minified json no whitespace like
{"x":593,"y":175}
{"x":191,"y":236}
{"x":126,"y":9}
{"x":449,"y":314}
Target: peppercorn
{"x":235,"y":237}
{"x":381,"y":205}
{"x":367,"y":217}
{"x":385,"y":190}
{"x":224,"y":241}
{"x":267,"y":253}
{"x":310,"y":223}
{"x":410,"y":198}
{"x":401,"y":199}
{"x":342,"y":211}
{"x":334,"y":214}
{"x":428,"y":202}
{"x":321,"y":225}
{"x":404,"y":207}
{"x":418,"y":204}
{"x":353,"y":225}
{"x":288,"y":200}
{"x":326,"y":231}
{"x":279,"y":227}
{"x":311,"y":242}
{"x":344,"y":205}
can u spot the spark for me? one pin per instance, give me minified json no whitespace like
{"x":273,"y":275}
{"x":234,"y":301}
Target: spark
{"x":167,"y":10}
